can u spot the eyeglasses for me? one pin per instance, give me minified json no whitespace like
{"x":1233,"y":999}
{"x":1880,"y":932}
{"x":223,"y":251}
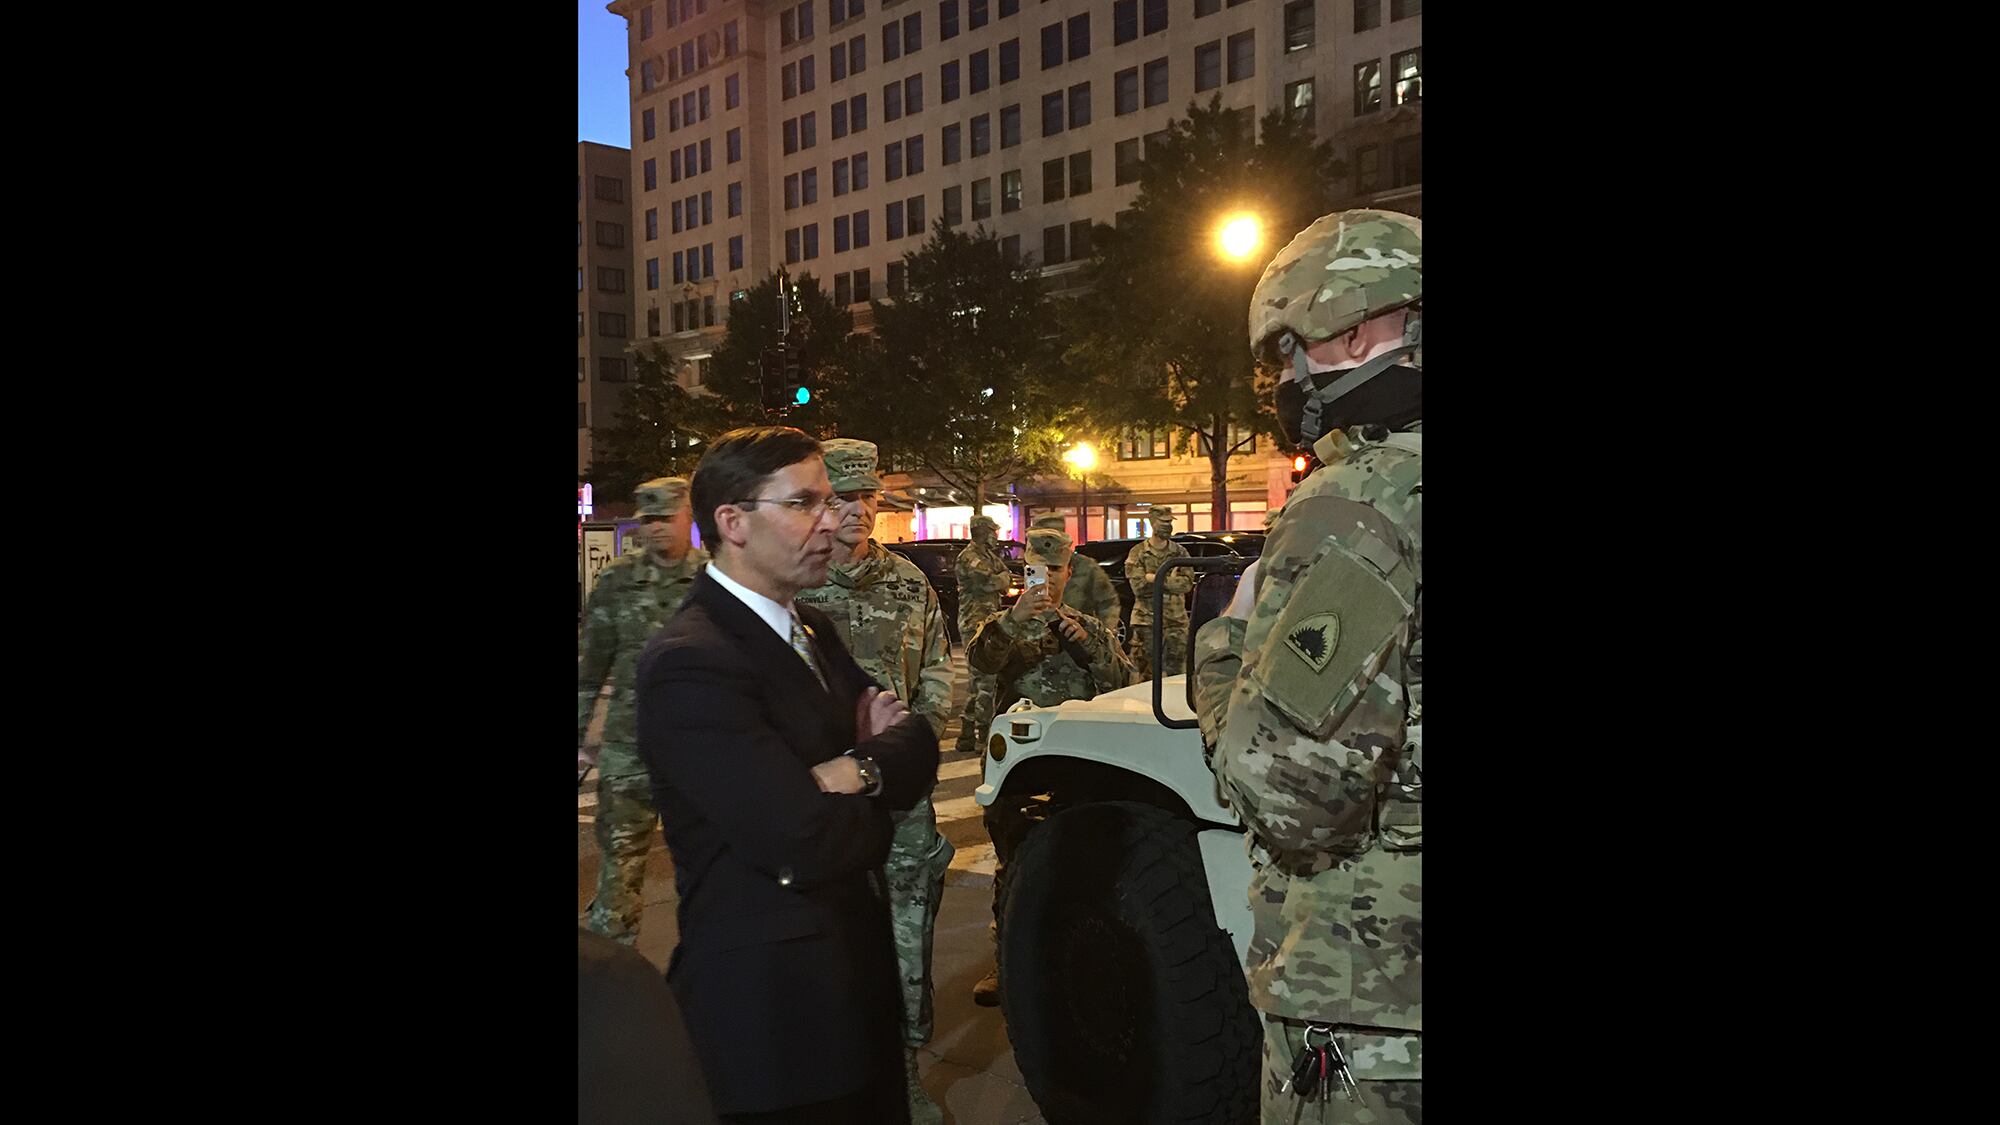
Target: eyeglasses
{"x":803,"y":505}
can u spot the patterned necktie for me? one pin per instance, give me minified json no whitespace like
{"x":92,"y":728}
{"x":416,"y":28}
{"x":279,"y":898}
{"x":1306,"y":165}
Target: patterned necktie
{"x":803,"y":646}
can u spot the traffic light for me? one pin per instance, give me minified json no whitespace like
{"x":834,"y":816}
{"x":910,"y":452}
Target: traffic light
{"x":795,"y":391}
{"x":771,"y":369}
{"x":1300,"y":464}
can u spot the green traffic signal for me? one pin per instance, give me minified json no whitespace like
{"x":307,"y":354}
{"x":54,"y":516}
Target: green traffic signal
{"x":802,"y":396}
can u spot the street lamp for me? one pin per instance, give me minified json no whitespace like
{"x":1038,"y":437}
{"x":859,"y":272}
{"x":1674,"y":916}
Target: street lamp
{"x":1082,"y":458}
{"x":1239,"y":236}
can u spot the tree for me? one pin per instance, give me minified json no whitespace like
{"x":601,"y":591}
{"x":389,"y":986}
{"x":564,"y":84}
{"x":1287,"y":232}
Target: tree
{"x":1157,"y":340}
{"x":662,"y":427}
{"x":959,"y":377}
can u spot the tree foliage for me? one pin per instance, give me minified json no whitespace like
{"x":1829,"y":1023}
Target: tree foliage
{"x":1159,"y":338}
{"x":960,"y":376}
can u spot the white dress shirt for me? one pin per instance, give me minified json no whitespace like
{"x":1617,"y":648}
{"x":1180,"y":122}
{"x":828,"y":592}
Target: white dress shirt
{"x":778,"y":616}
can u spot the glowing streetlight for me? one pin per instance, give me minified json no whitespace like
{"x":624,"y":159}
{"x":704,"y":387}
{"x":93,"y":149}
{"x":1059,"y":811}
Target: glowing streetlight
{"x":1082,"y":458}
{"x":1240,"y":236}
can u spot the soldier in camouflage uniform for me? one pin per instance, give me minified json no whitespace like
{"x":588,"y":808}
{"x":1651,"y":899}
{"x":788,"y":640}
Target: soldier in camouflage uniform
{"x":1090,"y":590}
{"x":635,"y":594}
{"x":1048,"y":652}
{"x":890,"y":619}
{"x":1141,"y":564}
{"x":1310,"y":688}
{"x":982,"y":578}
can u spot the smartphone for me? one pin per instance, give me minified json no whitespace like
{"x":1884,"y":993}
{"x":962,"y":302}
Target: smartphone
{"x":1037,"y":574}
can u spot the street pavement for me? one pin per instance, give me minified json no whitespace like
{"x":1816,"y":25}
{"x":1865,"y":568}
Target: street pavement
{"x":968,"y":1068}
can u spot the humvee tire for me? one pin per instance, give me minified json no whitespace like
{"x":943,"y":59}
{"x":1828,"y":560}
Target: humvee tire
{"x":1124,"y":1000}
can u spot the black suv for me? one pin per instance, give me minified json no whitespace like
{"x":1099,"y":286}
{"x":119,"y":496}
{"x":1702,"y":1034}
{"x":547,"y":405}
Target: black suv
{"x":938,"y":559}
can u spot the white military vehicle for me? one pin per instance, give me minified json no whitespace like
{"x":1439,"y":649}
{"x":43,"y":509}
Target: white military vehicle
{"x":1124,"y":916}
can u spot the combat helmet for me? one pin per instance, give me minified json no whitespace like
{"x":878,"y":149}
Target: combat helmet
{"x":1343,"y":269}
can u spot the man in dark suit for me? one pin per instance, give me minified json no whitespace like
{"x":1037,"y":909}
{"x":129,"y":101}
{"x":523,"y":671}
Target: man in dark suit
{"x":776,"y":763}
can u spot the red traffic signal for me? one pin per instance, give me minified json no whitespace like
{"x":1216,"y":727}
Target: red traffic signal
{"x":1299,"y":463}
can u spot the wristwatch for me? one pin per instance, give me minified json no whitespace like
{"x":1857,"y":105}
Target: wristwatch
{"x":871,"y":776}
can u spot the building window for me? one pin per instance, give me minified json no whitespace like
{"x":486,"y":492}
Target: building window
{"x":1052,"y":44}
{"x":579,"y":324}
{"x":611,"y":324}
{"x":975,"y":14}
{"x":982,"y":134}
{"x":1208,"y":66}
{"x":948,"y":82}
{"x":892,"y":101}
{"x":736,"y":252}
{"x":947,"y":19}
{"x":840,"y":244}
{"x":1079,"y":173}
{"x":652,"y":223}
{"x":913,"y":33}
{"x":808,"y":187}
{"x":953,"y":212}
{"x":1368,"y":87}
{"x":707,"y":321}
{"x":982,"y":199}
{"x":674,"y":174}
{"x":808,"y":136}
{"x":704,"y":103}
{"x":982,"y":71}
{"x":1156,"y":16}
{"x":892,"y":220}
{"x":791,"y":135}
{"x":1079,"y":36}
{"x":913,"y":207}
{"x":839,"y":120}
{"x":736,"y":199}
{"x":610,"y":234}
{"x":1079,"y":239}
{"x":680,"y":317}
{"x":791,"y":246}
{"x":1242,"y":56}
{"x":1010,"y":126}
{"x":1298,"y":25}
{"x":1126,"y":158}
{"x":1406,"y":164}
{"x":805,"y":78}
{"x":1052,"y":114}
{"x":579,"y":413}
{"x":1010,"y":250}
{"x":732,"y":91}
{"x":861,"y":294}
{"x":1154,"y":141}
{"x":892,"y":161}
{"x":653,"y":322}
{"x":1124,"y":21}
{"x":610,"y":369}
{"x":1010,"y":61}
{"x":1206,"y":7}
{"x":896,"y":286}
{"x":1404,"y":9}
{"x":857,"y":113}
{"x":1010,"y":191}
{"x":679,"y":276}
{"x":1299,"y":102}
{"x":646,"y":123}
{"x":1009,"y":7}
{"x":1367,"y":169}
{"x":1125,"y":91}
{"x":913,"y":93}
{"x":610,"y":280}
{"x":1053,"y":241}
{"x":733,"y":141}
{"x":836,"y":61}
{"x":1156,"y":82}
{"x":1146,"y":445}
{"x":860,"y":170}
{"x":646,"y":22}
{"x":1052,"y":180}
{"x":860,"y":229}
{"x":1079,"y":105}
{"x":1408,"y":67}
{"x":1367,"y":15}
{"x":892,"y":41}
{"x":843,"y":292}
{"x":857,"y":54}
{"x":792,"y":191}
{"x":811,"y":241}
{"x":951,"y":138}
{"x":839,"y":178}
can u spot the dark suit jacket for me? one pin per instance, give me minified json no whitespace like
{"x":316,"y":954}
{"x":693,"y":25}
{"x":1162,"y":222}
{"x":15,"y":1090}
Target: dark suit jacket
{"x":786,"y":970}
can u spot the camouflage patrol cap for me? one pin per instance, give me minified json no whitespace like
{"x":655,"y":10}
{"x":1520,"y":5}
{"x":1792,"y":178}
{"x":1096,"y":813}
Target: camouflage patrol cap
{"x":986,"y":522}
{"x":850,"y":464}
{"x":662,"y":496}
{"x":1050,"y":548}
{"x":1345,"y":268}
{"x":1161,"y":515}
{"x":1050,"y":520}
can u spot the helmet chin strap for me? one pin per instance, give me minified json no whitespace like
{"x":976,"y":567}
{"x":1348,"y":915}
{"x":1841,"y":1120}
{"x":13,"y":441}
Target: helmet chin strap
{"x":1328,"y":386}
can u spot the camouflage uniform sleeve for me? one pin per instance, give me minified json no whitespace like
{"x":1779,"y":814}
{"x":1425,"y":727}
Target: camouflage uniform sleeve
{"x":1135,"y":573}
{"x":1109,"y":668}
{"x":998,"y":643}
{"x":1303,"y":793}
{"x":1178,"y":581}
{"x":599,"y":646}
{"x":1218,"y":656}
{"x":1105,"y":605}
{"x":933,"y":700}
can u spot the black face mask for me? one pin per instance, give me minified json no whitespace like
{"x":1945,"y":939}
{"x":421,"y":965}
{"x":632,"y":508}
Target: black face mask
{"x":1394,"y":398}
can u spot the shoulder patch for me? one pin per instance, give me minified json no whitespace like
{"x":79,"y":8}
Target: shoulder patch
{"x":1315,"y":639}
